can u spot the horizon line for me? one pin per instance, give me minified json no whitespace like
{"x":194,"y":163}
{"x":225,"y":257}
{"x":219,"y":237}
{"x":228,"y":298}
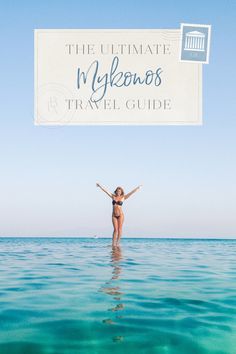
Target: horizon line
{"x":138,"y":237}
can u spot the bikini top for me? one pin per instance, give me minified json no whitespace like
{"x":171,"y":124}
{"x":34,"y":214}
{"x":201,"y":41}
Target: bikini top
{"x":119,"y":202}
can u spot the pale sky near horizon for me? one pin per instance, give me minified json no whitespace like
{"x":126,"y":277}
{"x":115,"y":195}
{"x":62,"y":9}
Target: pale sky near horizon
{"x":49,"y":173}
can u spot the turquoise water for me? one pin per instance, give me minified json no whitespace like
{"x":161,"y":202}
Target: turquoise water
{"x":148,"y":296}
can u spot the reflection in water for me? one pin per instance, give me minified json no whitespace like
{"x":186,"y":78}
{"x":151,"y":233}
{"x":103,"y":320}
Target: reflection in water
{"x":113,"y":289}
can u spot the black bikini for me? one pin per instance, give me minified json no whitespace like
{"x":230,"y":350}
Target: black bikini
{"x":119,"y":202}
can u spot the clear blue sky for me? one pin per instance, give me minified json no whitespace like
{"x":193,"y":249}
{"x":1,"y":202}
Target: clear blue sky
{"x":48,"y":174}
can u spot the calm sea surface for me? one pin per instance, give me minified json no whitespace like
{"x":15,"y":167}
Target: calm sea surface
{"x":167,"y":296}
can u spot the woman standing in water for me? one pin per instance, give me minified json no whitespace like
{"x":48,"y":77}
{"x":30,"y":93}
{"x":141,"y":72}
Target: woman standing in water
{"x":117,"y":214}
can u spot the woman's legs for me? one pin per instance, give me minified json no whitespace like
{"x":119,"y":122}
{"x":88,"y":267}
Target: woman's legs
{"x":115,"y":232}
{"x":120,"y":223}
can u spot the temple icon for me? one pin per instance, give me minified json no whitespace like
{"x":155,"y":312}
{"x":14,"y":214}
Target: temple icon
{"x":194,"y":40}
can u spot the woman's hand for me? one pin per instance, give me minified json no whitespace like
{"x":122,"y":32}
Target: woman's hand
{"x":104,"y":190}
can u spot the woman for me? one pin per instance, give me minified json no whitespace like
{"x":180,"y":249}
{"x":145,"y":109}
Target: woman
{"x":117,"y":214}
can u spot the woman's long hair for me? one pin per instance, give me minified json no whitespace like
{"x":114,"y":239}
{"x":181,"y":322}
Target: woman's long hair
{"x":122,"y":190}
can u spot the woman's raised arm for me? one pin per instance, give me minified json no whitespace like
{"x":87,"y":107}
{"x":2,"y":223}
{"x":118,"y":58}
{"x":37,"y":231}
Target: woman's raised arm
{"x":104,"y":190}
{"x":133,"y":191}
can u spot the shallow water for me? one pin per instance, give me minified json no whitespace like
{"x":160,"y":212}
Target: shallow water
{"x":67,"y":295}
